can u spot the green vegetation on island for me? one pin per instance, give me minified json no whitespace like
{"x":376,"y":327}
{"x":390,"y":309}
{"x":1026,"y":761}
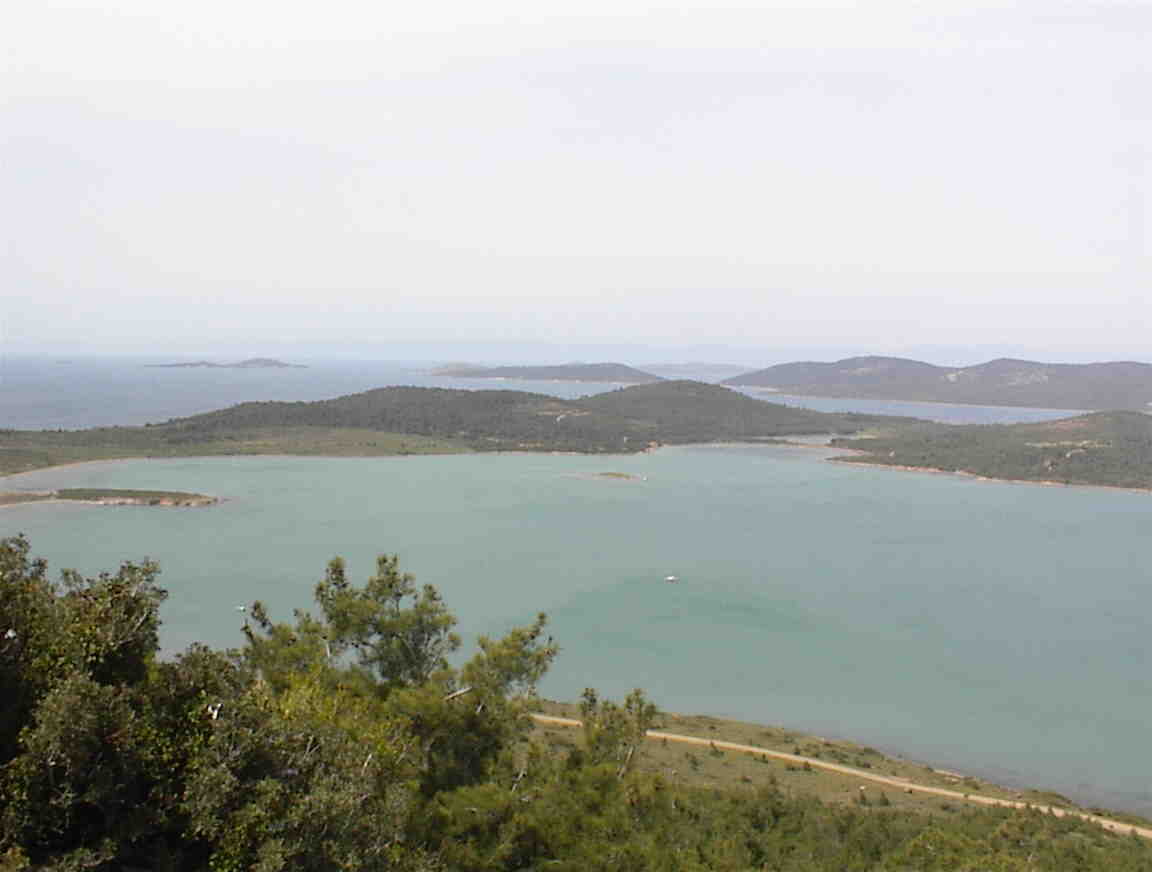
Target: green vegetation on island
{"x":110,"y":496}
{"x":1004,"y":382}
{"x":618,"y":373}
{"x":1102,"y":448}
{"x":347,"y":739}
{"x":411,"y":420}
{"x":678,"y":412}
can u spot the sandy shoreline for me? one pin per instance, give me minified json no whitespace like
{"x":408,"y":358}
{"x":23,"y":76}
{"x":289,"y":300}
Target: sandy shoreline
{"x":847,"y":456}
{"x":146,"y":497}
{"x":56,"y":501}
{"x":12,"y":475}
{"x":836,"y":454}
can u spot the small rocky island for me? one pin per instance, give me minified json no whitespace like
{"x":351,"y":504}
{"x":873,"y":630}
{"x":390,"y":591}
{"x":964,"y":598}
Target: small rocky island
{"x":251,"y":363}
{"x":109,"y":497}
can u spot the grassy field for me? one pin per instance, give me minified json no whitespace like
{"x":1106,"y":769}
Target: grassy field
{"x":22,"y":451}
{"x":713,"y":767}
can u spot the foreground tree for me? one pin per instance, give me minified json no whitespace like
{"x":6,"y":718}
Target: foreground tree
{"x":102,"y":628}
{"x":390,"y":642}
{"x":80,"y":760}
{"x":313,"y":747}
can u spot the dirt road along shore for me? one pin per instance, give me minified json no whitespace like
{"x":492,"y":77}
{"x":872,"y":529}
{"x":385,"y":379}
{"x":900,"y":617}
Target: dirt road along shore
{"x":902,"y":783}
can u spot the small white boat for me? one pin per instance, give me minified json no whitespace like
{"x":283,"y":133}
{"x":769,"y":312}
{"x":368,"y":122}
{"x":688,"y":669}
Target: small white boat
{"x":671,"y":579}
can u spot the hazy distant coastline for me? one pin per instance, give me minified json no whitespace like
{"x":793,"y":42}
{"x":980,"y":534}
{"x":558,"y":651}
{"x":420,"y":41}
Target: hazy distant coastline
{"x":1004,"y":382}
{"x":251,"y":363}
{"x":609,"y":373}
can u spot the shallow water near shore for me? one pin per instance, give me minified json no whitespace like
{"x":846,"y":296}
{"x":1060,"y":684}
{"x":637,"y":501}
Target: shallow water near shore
{"x":996,"y":629}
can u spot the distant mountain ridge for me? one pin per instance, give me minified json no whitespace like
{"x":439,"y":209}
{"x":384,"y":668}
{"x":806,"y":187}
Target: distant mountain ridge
{"x":250,"y":363}
{"x":1002,"y":382}
{"x":618,"y":373}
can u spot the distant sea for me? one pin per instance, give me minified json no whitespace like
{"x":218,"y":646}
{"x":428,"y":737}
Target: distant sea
{"x":40,"y":392}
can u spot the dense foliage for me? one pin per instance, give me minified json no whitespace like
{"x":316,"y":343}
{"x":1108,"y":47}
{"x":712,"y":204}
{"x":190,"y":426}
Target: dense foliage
{"x":1106,"y":448}
{"x":346,"y":739}
{"x":489,"y":419}
{"x":690,"y":411}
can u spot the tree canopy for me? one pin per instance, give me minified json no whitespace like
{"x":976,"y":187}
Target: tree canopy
{"x":358,"y":738}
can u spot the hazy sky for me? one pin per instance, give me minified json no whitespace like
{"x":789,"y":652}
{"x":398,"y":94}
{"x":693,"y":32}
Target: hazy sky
{"x":364,"y":176}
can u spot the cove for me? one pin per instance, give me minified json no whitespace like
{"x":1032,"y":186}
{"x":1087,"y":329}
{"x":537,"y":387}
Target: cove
{"x":998,"y":629}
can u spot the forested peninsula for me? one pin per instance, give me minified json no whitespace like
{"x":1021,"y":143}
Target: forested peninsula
{"x":1003,"y":382}
{"x":346,"y":738}
{"x":412,"y":420}
{"x":1113,"y":449}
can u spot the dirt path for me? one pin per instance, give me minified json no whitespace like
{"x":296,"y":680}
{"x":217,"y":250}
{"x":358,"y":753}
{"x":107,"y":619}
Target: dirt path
{"x":904,"y":784}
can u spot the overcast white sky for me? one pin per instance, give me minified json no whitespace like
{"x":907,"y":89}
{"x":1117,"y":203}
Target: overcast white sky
{"x":870,"y":176}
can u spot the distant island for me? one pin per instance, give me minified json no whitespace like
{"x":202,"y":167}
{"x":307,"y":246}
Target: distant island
{"x":616,"y":373}
{"x":413,"y":420}
{"x":251,"y":363}
{"x":1003,"y":382}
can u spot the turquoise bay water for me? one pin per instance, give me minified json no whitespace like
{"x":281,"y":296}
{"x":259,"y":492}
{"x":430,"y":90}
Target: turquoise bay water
{"x":999,"y":629}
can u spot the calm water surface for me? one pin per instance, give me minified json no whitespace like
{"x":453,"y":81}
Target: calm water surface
{"x":1000,"y":629}
{"x":47,"y":393}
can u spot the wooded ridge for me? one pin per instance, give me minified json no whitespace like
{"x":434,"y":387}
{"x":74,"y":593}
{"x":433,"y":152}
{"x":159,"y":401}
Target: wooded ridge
{"x":1102,"y":448}
{"x":1003,"y":382}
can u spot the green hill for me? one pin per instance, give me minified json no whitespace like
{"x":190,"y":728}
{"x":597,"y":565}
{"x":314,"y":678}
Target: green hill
{"x":483,"y":420}
{"x":421,"y":420}
{"x":1004,"y":382}
{"x":621,"y":420}
{"x":691,"y":411}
